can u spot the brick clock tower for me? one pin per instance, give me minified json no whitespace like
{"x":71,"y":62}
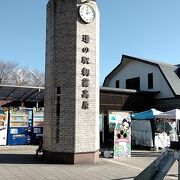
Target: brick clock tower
{"x":71,"y":125}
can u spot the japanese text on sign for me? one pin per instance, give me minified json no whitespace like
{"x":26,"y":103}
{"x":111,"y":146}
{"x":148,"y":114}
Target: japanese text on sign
{"x":85,"y":72}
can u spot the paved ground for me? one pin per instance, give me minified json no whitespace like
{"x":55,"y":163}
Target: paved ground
{"x":17,"y":162}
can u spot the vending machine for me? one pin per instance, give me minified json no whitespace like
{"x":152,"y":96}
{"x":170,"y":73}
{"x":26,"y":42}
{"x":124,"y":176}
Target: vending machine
{"x":19,"y":126}
{"x":37,"y":126}
{"x":3,"y":127}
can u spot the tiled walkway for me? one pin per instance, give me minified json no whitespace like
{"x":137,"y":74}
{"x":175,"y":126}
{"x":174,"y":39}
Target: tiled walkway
{"x":17,"y":162}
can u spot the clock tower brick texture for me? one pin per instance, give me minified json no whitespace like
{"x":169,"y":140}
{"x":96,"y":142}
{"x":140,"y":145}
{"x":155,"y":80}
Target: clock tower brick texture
{"x":71,"y":130}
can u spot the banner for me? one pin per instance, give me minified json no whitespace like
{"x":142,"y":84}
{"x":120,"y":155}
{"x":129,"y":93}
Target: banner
{"x":121,"y":122}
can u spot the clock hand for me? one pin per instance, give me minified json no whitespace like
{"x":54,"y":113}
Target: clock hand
{"x":87,"y":10}
{"x":90,"y":13}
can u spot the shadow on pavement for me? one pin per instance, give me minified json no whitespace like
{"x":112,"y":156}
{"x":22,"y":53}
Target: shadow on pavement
{"x":30,"y":158}
{"x":145,"y":154}
{"x":20,"y":159}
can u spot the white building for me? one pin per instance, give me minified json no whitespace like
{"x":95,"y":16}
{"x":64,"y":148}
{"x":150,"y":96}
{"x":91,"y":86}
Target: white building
{"x":150,"y":76}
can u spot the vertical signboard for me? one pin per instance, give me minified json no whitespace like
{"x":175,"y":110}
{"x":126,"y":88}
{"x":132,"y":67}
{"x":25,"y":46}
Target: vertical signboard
{"x":121,"y":122}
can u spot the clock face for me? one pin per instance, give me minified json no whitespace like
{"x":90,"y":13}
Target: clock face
{"x":87,"y":13}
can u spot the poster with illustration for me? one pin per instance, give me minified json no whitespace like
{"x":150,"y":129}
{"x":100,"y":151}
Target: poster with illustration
{"x":121,"y":122}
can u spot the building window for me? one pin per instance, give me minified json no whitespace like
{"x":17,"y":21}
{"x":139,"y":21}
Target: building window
{"x":133,"y":83}
{"x":150,"y":80}
{"x":117,"y":83}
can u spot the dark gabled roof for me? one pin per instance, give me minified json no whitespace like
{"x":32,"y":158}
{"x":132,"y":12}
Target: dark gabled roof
{"x":167,"y":70}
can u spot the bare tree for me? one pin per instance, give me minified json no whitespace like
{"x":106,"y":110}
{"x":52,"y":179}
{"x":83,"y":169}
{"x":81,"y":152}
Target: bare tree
{"x":26,"y":77}
{"x":37,"y":78}
{"x":10,"y":73}
{"x":20,"y":77}
{"x":6,"y":67}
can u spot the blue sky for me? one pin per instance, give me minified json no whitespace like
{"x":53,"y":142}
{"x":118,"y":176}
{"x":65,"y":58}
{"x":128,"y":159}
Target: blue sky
{"x":147,"y":29}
